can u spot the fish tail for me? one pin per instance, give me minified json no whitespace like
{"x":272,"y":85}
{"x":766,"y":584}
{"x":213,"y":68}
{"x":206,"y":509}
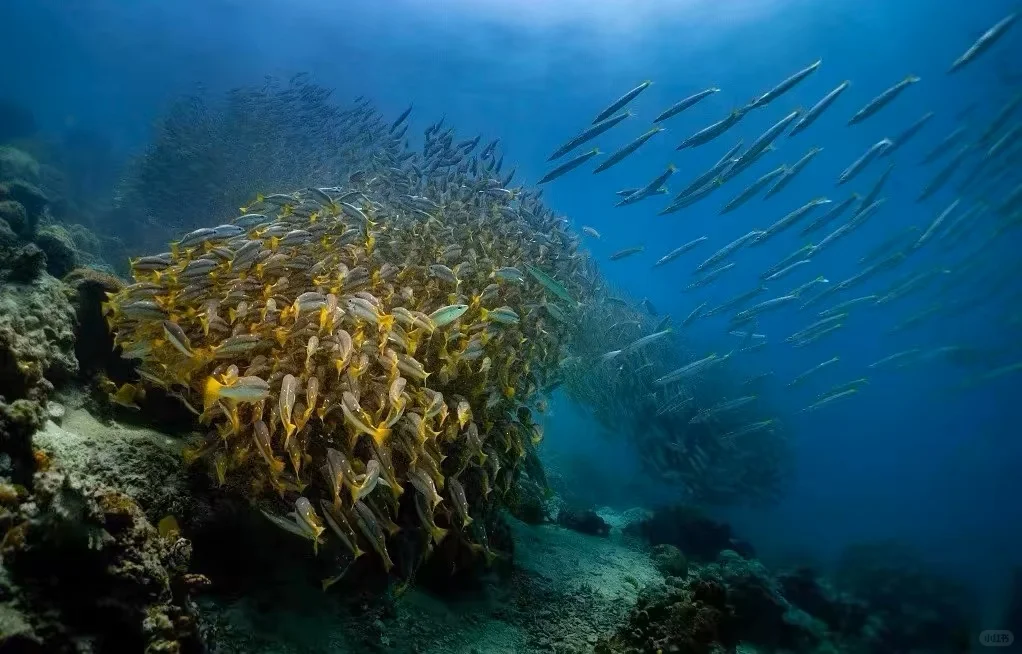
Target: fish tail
{"x":438,"y":534}
{"x":210,"y":392}
{"x":381,"y":435}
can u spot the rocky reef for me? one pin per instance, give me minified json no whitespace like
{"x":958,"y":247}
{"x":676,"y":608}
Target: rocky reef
{"x":879,"y":599}
{"x":88,"y":572}
{"x":691,"y":530}
{"x":37,"y":223}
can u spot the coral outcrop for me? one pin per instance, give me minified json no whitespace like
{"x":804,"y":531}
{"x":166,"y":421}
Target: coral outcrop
{"x":720,"y":605}
{"x":17,"y":164}
{"x":94,"y":345}
{"x":36,"y":338}
{"x":669,"y":560}
{"x":914,"y":604}
{"x":586,"y":521}
{"x":90,"y":573}
{"x":31,"y":214}
{"x":697,"y":535}
{"x":60,"y":250}
{"x":15,"y":218}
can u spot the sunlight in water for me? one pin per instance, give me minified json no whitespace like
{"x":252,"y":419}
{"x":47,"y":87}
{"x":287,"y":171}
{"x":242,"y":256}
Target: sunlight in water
{"x":601,"y":16}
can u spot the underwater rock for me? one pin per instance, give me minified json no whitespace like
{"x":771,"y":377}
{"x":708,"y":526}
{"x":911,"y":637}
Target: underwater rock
{"x":14,"y":215}
{"x":25,"y":265}
{"x":585,"y":521}
{"x":17,"y":164}
{"x":717,"y":606}
{"x":36,"y":338}
{"x":94,"y":345}
{"x":841,"y":612}
{"x":88,"y":245}
{"x":762,"y":614}
{"x":94,"y":575}
{"x":55,"y":411}
{"x":31,"y":198}
{"x":528,"y":502}
{"x":19,"y":420}
{"x":669,"y":560}
{"x":915,"y":606}
{"x":61,"y":254}
{"x":141,"y":463}
{"x":693,"y":617}
{"x":688,"y":529}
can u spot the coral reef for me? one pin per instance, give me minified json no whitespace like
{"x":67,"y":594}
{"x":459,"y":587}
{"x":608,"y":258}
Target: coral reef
{"x":690,"y":530}
{"x":19,"y":419}
{"x":585,"y":521}
{"x":840,"y":611}
{"x":32,"y":212}
{"x":142,"y":463}
{"x":15,"y":219}
{"x":92,"y":574}
{"x":16,"y":164}
{"x":94,"y":345}
{"x":915,"y":605}
{"x":23,"y":265}
{"x":28,"y":196}
{"x":528,"y":501}
{"x":719,"y":605}
{"x":669,"y":560}
{"x":60,"y":251}
{"x":36,"y":338}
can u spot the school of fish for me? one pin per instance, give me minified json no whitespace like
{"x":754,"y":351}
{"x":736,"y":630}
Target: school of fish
{"x":369,"y":357}
{"x":970,"y":205}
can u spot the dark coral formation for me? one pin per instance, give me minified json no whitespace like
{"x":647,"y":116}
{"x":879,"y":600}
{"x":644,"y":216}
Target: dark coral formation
{"x":840,"y":611}
{"x":36,"y":338}
{"x":527,"y":501}
{"x":94,"y":345}
{"x":690,"y":530}
{"x":61,"y":255}
{"x":916,"y":606}
{"x":720,"y":605}
{"x":883,"y":600}
{"x":34,"y":215}
{"x":92,"y":574}
{"x":585,"y":521}
{"x":669,"y":560}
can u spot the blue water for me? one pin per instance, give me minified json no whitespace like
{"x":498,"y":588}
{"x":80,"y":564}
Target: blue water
{"x":910,"y":457}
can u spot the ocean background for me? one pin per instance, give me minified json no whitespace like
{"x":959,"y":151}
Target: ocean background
{"x":912,"y":457}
